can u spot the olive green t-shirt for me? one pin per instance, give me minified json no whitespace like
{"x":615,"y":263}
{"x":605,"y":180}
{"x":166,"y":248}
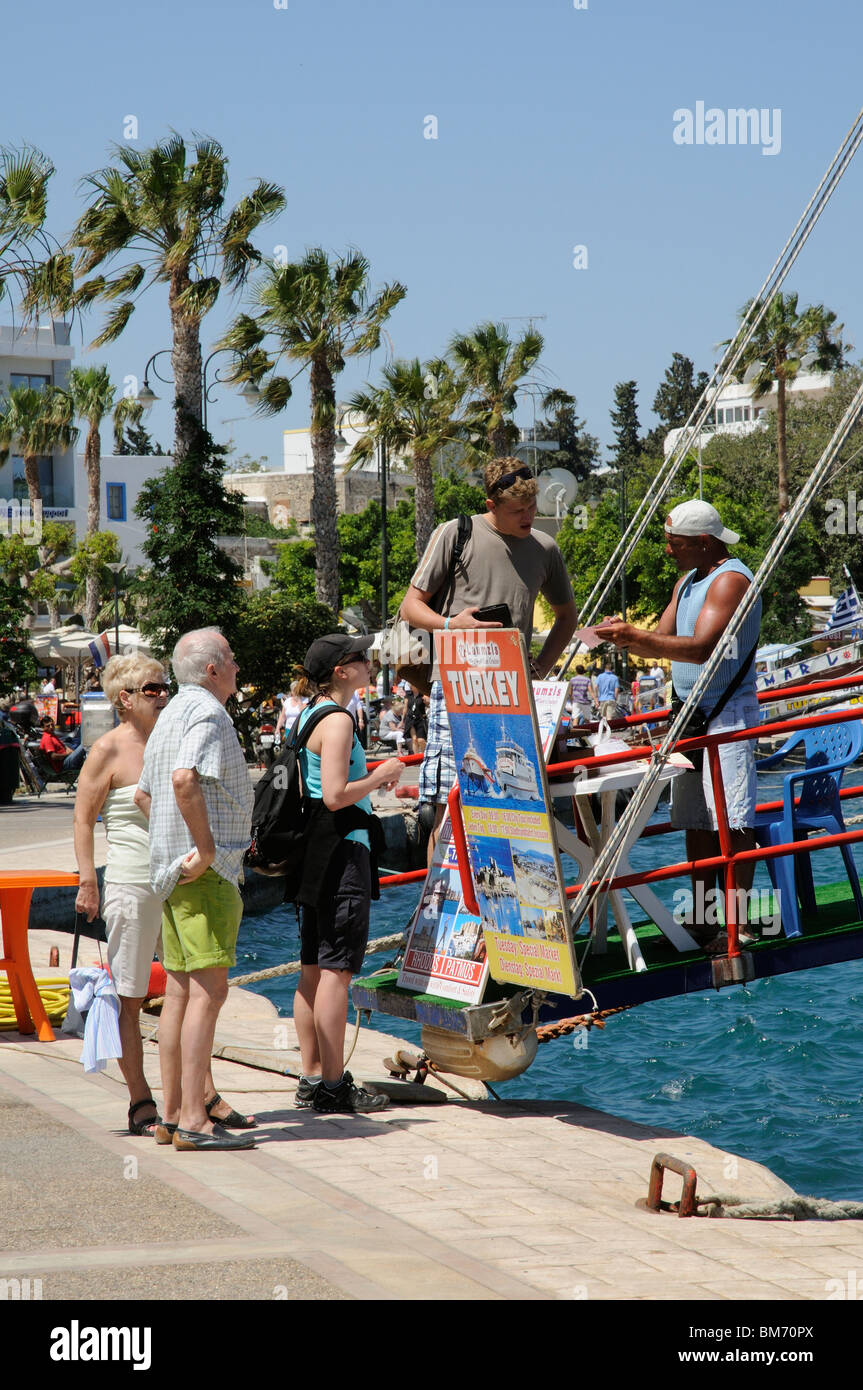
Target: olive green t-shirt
{"x":495,"y":569}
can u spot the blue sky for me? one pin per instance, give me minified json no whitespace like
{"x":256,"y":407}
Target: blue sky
{"x":555,"y":130}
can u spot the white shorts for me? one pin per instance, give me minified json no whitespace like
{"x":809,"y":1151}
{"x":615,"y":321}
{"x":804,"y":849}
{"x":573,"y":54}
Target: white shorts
{"x":692,"y":802}
{"x":133,"y":920}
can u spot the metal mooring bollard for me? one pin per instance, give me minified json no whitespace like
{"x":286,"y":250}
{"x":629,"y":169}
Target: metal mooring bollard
{"x":690,"y":1179}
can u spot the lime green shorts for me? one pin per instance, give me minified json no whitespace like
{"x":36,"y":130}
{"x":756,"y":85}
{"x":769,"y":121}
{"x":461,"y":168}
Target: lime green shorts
{"x":200,"y":923}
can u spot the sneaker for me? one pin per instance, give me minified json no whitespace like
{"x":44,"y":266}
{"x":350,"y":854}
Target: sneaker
{"x":347,"y":1099}
{"x":305,"y":1093}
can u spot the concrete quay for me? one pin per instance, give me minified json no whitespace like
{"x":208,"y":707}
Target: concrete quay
{"x":481,"y":1201}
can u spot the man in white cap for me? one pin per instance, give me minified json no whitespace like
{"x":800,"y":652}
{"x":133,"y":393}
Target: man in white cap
{"x":705,"y":598}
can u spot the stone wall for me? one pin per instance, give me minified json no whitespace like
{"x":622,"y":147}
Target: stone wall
{"x":289,"y":495}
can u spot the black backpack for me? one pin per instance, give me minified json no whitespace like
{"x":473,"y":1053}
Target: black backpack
{"x":279,"y":818}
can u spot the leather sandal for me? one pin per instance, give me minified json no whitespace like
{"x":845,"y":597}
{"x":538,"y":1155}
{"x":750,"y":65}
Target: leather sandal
{"x":219,"y":1139}
{"x":232,"y":1121}
{"x":143,"y":1127}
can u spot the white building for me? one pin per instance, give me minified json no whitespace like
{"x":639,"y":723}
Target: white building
{"x":737,"y":410}
{"x":297,"y":450}
{"x":37,"y":357}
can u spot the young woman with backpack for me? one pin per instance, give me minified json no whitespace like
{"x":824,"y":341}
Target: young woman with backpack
{"x":337,"y":880}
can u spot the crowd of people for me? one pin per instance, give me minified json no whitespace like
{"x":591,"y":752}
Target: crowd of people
{"x":172,"y":787}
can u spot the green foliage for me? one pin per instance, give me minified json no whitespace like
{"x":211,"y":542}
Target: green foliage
{"x":577,"y":451}
{"x":17,"y":663}
{"x":677,"y":394}
{"x":360,"y":546}
{"x":624,"y":418}
{"x":92,"y":556}
{"x":270,"y":632}
{"x":191,"y":581}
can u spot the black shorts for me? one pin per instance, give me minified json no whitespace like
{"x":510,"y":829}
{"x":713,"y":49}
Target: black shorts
{"x":334,"y":935}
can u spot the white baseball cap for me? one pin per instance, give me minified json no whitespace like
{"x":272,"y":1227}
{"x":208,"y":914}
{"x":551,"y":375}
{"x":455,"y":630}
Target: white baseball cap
{"x":698,"y":519}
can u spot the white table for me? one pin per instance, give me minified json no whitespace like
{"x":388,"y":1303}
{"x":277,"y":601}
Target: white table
{"x":606,"y":785}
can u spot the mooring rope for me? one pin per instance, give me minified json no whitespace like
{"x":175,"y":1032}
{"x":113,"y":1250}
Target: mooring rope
{"x":794,"y":1208}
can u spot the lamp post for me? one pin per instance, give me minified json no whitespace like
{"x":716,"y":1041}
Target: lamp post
{"x":115,"y":566}
{"x":147,"y":397}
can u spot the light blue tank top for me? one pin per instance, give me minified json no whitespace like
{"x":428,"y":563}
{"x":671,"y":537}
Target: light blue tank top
{"x":310,"y":768}
{"x":690,"y":602}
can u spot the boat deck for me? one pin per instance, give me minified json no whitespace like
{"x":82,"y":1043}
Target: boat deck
{"x":830,"y":935}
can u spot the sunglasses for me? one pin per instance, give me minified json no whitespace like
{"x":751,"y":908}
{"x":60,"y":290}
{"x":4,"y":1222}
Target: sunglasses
{"x":508,"y":479}
{"x":153,"y":689}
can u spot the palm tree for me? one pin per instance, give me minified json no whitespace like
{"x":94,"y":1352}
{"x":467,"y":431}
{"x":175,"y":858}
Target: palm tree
{"x":775,"y":353}
{"x":319,"y":313}
{"x":24,"y":175}
{"x":491,"y":366}
{"x":93,"y":396}
{"x":34,"y":423}
{"x":414,"y":410}
{"x":168,"y":209}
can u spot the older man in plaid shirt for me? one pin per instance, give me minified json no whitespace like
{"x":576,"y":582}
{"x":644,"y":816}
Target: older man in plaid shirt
{"x":195,"y":788}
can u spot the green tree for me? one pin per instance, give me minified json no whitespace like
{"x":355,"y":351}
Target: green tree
{"x":37,"y":569}
{"x":319,"y":313}
{"x":93,"y":396}
{"x":17,"y":663}
{"x":677,"y":395}
{"x":130,"y":436}
{"x":577,"y":451}
{"x":775,"y":353}
{"x":624,"y":418}
{"x":191,"y":581}
{"x":271,"y":632}
{"x":166,"y":205}
{"x":34,"y":423}
{"x":413,"y":411}
{"x":88,"y":568}
{"x":490,"y":367}
{"x":359,"y":546}
{"x":24,"y":177}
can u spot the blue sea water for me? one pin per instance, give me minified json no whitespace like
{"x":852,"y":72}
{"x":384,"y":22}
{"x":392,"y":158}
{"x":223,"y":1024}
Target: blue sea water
{"x":770,"y":1071}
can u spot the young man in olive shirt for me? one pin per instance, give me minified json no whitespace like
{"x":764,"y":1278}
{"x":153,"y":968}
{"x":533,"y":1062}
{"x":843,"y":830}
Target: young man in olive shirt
{"x":503,"y":561}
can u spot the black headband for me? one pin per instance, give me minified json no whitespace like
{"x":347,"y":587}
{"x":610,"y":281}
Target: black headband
{"x":509,"y":478}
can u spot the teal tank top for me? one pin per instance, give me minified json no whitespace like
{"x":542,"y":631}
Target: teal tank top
{"x":310,"y":768}
{"x":690,"y":601}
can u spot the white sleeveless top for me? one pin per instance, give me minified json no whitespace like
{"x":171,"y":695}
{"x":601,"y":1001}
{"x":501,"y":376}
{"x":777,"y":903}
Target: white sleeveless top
{"x":128,"y":838}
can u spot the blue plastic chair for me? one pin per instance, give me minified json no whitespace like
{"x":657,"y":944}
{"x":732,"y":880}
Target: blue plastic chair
{"x":829,"y":750}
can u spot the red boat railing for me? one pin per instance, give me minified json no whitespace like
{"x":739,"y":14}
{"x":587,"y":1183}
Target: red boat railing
{"x":727,"y":859}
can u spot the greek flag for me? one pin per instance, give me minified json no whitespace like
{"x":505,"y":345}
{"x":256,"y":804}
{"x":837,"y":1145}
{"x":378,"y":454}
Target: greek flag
{"x":845,"y":611}
{"x":101,"y":650}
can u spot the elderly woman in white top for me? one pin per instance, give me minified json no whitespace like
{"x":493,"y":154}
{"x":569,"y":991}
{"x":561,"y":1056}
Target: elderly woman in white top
{"x":137,"y":687}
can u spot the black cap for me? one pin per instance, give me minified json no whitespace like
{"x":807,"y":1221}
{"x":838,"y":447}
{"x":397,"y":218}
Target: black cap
{"x":326,"y":653}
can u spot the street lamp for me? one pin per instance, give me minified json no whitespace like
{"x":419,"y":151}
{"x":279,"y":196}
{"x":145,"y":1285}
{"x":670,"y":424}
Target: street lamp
{"x":147,"y":397}
{"x":115,"y":566}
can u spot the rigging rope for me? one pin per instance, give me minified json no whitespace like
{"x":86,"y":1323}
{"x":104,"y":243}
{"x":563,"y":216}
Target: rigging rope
{"x":609,"y":855}
{"x":722,"y":373}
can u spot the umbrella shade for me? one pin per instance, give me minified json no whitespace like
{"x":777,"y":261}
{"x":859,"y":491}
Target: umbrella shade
{"x":61,"y":646}
{"x":71,"y":644}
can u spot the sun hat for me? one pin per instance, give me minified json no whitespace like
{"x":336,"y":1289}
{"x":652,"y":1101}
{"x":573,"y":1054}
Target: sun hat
{"x":698,"y":519}
{"x":325,"y":654}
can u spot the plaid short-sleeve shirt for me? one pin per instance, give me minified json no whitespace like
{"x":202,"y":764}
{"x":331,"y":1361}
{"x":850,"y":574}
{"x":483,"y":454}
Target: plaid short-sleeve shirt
{"x":195,"y":731}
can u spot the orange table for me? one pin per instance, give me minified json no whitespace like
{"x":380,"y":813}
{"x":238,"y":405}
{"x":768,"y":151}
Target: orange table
{"x":16,"y":890}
